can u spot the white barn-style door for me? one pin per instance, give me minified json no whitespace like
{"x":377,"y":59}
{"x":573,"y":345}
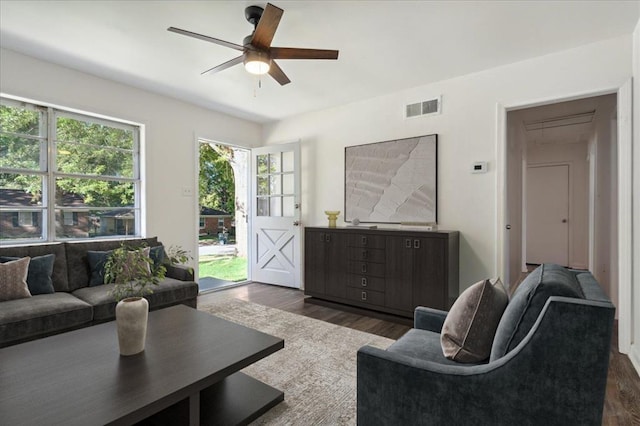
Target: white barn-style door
{"x":275,"y":215}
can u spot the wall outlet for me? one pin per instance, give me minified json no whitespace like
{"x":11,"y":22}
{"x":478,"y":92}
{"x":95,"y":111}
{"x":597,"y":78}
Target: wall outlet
{"x":187,"y":192}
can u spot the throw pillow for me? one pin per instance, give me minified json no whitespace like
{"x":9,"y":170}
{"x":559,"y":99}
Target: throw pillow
{"x":157,"y":254}
{"x":470,"y":326}
{"x":14,"y":279}
{"x":40,"y":271}
{"x":97,"y":259}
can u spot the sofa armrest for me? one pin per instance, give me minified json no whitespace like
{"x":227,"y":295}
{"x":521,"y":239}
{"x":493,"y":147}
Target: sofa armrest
{"x":180,"y":272}
{"x":429,"y":319}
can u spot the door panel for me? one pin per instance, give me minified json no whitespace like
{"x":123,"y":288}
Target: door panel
{"x":548,"y":214}
{"x":275,"y":214}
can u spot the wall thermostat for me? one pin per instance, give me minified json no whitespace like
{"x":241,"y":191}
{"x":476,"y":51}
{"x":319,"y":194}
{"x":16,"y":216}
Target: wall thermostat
{"x":479,"y":167}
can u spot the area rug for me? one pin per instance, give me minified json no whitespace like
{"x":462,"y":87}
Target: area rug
{"x":316,"y":369}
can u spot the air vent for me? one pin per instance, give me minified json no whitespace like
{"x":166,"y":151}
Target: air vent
{"x":418,"y":109}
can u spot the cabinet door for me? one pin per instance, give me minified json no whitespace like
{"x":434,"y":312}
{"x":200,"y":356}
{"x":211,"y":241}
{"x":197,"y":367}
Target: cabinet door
{"x":399,"y":273}
{"x":430,"y":279}
{"x":314,"y":262}
{"x":335,"y":264}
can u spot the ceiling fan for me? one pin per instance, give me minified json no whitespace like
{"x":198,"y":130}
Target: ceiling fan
{"x":257,"y":53}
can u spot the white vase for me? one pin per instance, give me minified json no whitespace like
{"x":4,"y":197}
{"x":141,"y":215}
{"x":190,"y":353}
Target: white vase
{"x":131,"y":318}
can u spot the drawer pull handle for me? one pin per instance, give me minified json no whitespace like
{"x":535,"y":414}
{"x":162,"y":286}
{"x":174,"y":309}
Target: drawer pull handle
{"x":364,"y":254}
{"x":364,"y":268}
{"x":364,"y":241}
{"x":407,"y":243}
{"x":364,"y":295}
{"x":364,"y":282}
{"x":328,"y":238}
{"x":416,"y":244}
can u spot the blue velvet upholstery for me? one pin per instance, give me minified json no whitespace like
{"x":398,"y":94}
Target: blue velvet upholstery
{"x":554,"y":375}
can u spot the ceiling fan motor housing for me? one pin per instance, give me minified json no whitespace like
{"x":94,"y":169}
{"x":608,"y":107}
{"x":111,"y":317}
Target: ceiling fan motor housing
{"x":253,"y":14}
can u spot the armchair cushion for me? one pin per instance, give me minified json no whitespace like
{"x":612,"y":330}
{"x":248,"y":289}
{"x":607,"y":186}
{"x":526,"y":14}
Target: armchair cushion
{"x":421,"y":344}
{"x":527,"y":303}
{"x":470,"y":326}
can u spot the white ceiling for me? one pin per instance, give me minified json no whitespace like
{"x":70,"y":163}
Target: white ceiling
{"x":385,"y":46}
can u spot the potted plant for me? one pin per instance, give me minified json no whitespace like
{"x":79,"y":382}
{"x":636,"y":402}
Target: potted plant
{"x":134,"y":274}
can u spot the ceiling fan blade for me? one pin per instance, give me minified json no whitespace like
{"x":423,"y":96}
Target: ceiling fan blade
{"x":224,"y":66}
{"x":206,"y":38}
{"x":267,"y":27}
{"x":278,"y":75}
{"x":295,"y":53}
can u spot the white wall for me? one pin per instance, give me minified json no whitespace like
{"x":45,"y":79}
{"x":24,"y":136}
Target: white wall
{"x":171,"y":128}
{"x":466,"y":133}
{"x":635,"y":311}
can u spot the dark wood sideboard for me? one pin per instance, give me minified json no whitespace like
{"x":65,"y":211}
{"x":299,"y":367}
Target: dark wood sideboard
{"x":386,"y":270}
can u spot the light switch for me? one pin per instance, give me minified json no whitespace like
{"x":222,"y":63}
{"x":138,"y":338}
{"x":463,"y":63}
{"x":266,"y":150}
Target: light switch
{"x":187,"y":192}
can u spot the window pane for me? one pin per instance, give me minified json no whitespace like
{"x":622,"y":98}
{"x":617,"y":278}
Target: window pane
{"x":19,"y":153}
{"x":275,"y":204}
{"x":16,"y":225}
{"x":94,"y":223}
{"x":20,"y":120}
{"x":87,"y":132}
{"x":262,"y":207}
{"x":94,"y":160}
{"x":288,"y":207}
{"x":17,"y":190}
{"x":262,"y":166}
{"x":263,"y":185}
{"x":287,"y":161}
{"x":275,"y":165}
{"x":75,"y":192}
{"x":275,"y":184}
{"x":287,"y":184}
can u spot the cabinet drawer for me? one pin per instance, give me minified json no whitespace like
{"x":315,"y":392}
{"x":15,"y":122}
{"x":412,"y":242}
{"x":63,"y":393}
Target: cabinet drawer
{"x":365,"y":296}
{"x":371,"y":241}
{"x":367,"y":254}
{"x":365,"y":282}
{"x":366,"y":268}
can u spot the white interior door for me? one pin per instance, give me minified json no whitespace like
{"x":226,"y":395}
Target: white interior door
{"x":275,"y":215}
{"x":548,"y":215}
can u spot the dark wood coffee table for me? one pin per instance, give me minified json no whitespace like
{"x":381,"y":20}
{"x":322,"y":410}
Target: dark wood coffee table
{"x":188,"y":374}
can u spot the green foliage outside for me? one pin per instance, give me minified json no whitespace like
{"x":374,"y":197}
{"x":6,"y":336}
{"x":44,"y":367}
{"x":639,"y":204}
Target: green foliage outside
{"x":216,"y":180}
{"x":229,"y":268}
{"x":83,"y":148}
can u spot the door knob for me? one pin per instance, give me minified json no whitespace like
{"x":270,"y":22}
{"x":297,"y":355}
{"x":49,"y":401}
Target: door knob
{"x":564,"y":220}
{"x":296,"y":223}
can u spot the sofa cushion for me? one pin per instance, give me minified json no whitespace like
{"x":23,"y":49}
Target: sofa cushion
{"x":13,"y":284}
{"x":41,"y":315}
{"x":421,"y":344}
{"x":97,"y":260}
{"x":39,"y":277}
{"x":470,"y":326}
{"x":79,"y":272}
{"x":59,"y":275}
{"x":528,"y":301}
{"x":168,"y":292}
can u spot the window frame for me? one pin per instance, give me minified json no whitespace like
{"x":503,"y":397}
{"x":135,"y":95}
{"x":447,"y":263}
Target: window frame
{"x":48,"y":172}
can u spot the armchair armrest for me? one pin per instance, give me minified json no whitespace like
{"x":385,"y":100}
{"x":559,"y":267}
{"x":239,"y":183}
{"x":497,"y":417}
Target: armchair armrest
{"x":429,"y":319}
{"x":179,"y":272}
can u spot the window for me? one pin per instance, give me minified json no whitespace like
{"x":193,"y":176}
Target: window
{"x":220,"y":223}
{"x":71,"y":176}
{"x":202,"y":222}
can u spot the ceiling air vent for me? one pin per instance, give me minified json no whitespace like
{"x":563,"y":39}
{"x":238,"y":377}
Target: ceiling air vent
{"x":428,"y":107}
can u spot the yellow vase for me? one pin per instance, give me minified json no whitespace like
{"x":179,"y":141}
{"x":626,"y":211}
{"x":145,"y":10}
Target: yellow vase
{"x":333,"y":216}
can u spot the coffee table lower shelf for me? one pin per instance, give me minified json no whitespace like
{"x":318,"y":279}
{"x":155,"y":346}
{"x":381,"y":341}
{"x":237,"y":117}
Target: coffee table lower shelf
{"x":237,"y":400}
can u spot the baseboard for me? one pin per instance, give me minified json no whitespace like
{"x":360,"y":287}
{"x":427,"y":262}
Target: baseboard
{"x":634,"y":356}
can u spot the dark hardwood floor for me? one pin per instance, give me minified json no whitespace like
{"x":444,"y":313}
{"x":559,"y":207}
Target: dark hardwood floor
{"x":622,"y":400}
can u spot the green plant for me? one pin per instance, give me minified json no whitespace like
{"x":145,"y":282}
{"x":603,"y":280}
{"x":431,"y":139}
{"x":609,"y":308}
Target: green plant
{"x":132,"y":271}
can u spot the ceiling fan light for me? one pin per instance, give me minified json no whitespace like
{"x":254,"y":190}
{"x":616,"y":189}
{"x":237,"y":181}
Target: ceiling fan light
{"x":257,"y":62}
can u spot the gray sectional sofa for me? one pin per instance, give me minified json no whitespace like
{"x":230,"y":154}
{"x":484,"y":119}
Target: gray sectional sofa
{"x":75,"y":304}
{"x":548,"y":363}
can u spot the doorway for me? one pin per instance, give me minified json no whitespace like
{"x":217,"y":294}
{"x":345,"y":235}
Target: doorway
{"x":552,"y":150}
{"x":223,"y":209}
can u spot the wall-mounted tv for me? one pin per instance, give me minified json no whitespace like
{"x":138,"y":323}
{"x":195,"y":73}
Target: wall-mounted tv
{"x":392,"y":182}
